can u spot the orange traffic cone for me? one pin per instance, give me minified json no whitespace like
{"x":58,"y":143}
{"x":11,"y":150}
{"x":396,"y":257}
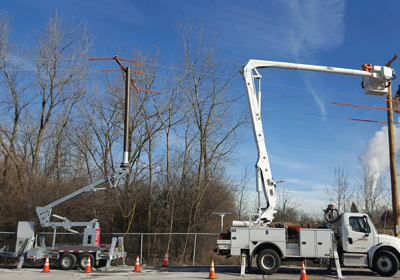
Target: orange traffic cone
{"x":46,"y":267}
{"x":165,"y":263}
{"x":303,"y":274}
{"x":88,"y":265}
{"x":137,"y":265}
{"x":212,"y":271}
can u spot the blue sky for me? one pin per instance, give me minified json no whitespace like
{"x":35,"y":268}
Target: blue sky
{"x":306,"y":136}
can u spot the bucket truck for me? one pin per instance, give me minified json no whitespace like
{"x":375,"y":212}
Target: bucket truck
{"x":350,"y":239}
{"x":69,"y":255}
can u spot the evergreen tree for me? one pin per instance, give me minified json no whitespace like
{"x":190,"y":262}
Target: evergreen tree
{"x":353,"y":208}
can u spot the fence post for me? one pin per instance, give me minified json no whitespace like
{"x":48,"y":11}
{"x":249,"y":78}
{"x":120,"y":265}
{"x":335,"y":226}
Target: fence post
{"x":141,"y":247}
{"x":194,"y":248}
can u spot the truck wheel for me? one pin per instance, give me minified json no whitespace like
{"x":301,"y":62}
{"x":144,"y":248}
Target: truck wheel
{"x":385,"y":263}
{"x":67,"y":261}
{"x":268,"y":261}
{"x":83,"y":261}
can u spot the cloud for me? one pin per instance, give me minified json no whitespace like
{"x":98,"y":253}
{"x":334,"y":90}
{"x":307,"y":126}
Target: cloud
{"x":313,"y":26}
{"x":375,"y":157}
{"x":291,"y":30}
{"x":310,"y":185}
{"x":290,"y":164}
{"x":320,"y":104}
{"x":285,"y":28}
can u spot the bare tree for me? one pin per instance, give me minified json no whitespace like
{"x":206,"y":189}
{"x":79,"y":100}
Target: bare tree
{"x":15,"y":82}
{"x":61,"y":70}
{"x":170,"y":115}
{"x":205,"y":82}
{"x":55,"y":137}
{"x":287,"y":205}
{"x":340,"y":193}
{"x":102,"y":115}
{"x":241,"y":195}
{"x":370,"y":191}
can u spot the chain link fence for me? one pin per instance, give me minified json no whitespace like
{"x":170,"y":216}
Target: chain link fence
{"x":182,"y":248}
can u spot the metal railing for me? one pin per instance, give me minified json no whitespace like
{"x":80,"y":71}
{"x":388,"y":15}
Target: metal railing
{"x":141,"y":244}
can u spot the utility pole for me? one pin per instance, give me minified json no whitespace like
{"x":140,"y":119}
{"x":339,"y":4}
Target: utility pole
{"x":392,"y":157}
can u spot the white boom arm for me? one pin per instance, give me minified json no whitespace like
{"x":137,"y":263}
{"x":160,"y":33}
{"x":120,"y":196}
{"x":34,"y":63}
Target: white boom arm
{"x":44,"y":213}
{"x":374,"y":82}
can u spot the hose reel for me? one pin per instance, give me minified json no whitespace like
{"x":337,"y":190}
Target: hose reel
{"x":331,"y":214}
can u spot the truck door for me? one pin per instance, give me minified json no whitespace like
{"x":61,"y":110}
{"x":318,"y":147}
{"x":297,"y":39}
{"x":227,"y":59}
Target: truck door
{"x":360,"y":238}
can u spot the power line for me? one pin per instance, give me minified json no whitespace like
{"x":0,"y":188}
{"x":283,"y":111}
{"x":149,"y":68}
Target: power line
{"x":302,"y":113}
{"x":187,"y":80}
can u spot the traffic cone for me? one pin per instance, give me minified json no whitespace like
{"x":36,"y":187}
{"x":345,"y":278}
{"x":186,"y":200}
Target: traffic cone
{"x":303,"y":274}
{"x":165,"y":263}
{"x":212,"y":271}
{"x":88,"y":265}
{"x":46,"y":267}
{"x":137,"y":265}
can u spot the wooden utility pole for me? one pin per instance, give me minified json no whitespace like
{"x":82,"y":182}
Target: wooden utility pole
{"x":393,"y":170}
{"x":392,"y":157}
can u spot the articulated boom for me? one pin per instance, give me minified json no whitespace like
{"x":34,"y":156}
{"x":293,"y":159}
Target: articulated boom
{"x":44,"y":213}
{"x":265,"y":182}
{"x":375,"y":82}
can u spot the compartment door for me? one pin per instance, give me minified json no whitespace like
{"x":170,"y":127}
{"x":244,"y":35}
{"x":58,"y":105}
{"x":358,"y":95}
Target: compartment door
{"x":324,"y":243}
{"x":307,"y":243}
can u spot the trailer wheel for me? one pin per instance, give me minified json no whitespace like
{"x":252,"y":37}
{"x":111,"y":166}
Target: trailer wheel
{"x":385,"y":263}
{"x":83,"y":260}
{"x":268,"y":261}
{"x":67,"y":261}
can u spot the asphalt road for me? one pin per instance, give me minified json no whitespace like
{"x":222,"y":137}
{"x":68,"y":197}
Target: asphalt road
{"x":185,"y":272}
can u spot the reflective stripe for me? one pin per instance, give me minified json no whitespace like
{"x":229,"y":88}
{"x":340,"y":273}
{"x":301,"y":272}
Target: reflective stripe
{"x":74,"y":251}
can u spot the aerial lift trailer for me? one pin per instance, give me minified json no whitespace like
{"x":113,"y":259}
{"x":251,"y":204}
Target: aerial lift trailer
{"x":351,"y":239}
{"x":27,"y":246}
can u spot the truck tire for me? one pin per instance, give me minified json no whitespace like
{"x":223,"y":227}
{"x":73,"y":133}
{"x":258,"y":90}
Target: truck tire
{"x":83,"y":261}
{"x":385,"y":263}
{"x":268,"y":261}
{"x":67,"y":261}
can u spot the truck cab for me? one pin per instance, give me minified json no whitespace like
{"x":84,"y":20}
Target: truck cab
{"x":360,"y":244}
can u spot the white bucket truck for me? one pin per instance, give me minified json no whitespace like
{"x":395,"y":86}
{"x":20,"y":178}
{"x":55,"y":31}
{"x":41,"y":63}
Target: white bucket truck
{"x":350,"y":238}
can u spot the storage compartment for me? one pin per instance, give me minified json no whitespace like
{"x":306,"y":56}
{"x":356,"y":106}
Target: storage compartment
{"x":324,"y":243}
{"x":316,"y":243}
{"x":239,"y":239}
{"x":293,"y":249}
{"x":355,"y":259}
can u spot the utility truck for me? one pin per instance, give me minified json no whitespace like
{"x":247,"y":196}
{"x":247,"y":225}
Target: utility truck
{"x":350,"y":239}
{"x":27,"y":245}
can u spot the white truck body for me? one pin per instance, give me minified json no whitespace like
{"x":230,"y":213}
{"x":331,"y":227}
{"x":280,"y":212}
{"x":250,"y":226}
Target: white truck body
{"x":357,"y":241}
{"x":313,"y":243}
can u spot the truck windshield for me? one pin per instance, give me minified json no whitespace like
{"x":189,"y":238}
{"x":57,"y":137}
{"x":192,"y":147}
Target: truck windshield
{"x":357,"y":224}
